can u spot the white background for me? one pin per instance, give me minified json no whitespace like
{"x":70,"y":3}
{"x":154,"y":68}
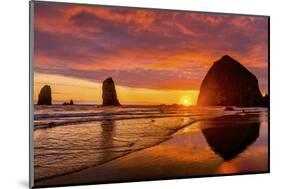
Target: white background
{"x":14,"y":93}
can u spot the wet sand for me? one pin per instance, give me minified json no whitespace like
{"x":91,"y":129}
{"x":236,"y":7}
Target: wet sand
{"x":226,"y":145}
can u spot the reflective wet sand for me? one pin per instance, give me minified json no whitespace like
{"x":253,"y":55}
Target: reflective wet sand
{"x":223,"y":145}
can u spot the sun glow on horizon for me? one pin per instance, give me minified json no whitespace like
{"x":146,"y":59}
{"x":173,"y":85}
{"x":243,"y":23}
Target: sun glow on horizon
{"x":187,"y":101}
{"x":83,"y":91}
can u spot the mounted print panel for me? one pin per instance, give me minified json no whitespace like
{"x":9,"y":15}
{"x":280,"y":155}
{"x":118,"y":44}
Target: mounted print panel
{"x":121,"y":94}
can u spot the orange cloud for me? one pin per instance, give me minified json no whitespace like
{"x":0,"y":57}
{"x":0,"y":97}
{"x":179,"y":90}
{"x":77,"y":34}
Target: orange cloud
{"x":77,"y":40}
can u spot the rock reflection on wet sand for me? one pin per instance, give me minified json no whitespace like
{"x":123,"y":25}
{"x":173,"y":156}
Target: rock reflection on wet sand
{"x":230,"y":135}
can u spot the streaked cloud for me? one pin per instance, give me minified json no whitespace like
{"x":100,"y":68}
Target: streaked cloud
{"x":144,"y":48}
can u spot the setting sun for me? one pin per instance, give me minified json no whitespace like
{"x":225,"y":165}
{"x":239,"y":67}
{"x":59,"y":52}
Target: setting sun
{"x":185,"y":102}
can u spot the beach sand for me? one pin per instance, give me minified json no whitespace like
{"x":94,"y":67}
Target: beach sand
{"x":225,"y":145}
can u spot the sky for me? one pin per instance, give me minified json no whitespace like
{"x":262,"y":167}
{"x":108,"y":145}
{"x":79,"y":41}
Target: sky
{"x":153,"y":56}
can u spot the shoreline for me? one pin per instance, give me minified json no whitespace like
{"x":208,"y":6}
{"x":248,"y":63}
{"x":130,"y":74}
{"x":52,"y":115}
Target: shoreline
{"x":58,"y":178}
{"x":155,"y":161}
{"x":173,"y":131}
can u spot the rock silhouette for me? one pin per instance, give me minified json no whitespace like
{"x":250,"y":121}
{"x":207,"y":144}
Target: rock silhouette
{"x":228,"y":83}
{"x":71,"y":102}
{"x":68,"y":103}
{"x":109,"y":95}
{"x":265,"y":100}
{"x":230,"y":135}
{"x":45,"y":96}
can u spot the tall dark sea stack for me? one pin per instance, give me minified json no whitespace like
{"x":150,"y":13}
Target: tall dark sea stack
{"x":45,"y":96}
{"x":228,"y":83}
{"x":109,"y":95}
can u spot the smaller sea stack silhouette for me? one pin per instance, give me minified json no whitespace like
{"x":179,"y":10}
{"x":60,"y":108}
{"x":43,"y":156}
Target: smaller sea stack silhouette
{"x":45,"y":96}
{"x":229,"y":83}
{"x":68,"y":103}
{"x":109,"y":95}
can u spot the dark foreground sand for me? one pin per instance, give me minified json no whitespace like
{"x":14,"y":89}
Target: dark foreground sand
{"x":232,"y":144}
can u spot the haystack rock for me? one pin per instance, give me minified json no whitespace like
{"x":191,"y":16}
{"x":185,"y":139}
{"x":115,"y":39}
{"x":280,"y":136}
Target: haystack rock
{"x":109,"y":95}
{"x":228,"y":83}
{"x":45,"y":96}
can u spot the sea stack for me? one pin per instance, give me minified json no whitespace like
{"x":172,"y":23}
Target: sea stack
{"x":45,"y":96}
{"x":109,"y":95}
{"x":68,"y":103}
{"x":71,"y":102}
{"x":229,"y":83}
